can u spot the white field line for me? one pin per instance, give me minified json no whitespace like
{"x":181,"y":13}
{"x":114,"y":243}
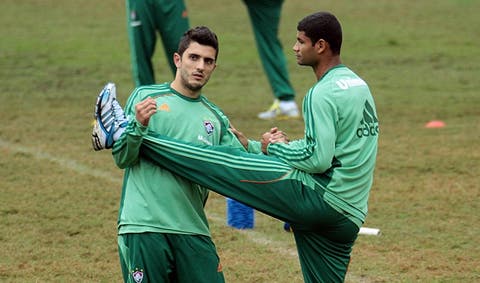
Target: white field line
{"x":64,"y":163}
{"x":253,"y":236}
{"x":259,"y":238}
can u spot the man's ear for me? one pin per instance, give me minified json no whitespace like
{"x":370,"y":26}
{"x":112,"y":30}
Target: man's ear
{"x":177,"y":59}
{"x":321,"y":45}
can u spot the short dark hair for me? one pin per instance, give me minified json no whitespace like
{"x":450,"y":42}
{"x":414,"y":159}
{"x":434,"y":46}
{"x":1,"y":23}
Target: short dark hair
{"x":323,"y":25}
{"x":202,"y":35}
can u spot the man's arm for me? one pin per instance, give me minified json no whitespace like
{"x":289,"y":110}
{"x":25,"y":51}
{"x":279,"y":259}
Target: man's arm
{"x":126,"y":149}
{"x":314,"y":153}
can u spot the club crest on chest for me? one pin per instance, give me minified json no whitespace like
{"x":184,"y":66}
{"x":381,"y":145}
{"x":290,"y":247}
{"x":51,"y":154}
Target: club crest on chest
{"x":209,"y":128}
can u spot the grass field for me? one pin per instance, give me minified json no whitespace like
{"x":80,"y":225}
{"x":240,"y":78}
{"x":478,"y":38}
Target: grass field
{"x":59,"y":198}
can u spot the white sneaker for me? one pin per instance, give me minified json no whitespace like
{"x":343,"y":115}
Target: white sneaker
{"x":110,"y":121}
{"x":281,"y":110}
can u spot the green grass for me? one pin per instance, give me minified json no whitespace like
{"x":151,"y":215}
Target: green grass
{"x":60,"y":199}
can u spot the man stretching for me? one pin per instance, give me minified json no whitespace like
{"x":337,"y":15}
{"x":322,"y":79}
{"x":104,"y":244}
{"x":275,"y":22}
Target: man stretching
{"x":320,"y":184}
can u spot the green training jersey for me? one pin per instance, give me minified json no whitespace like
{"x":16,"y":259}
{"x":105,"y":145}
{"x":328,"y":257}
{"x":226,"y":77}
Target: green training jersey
{"x":340,"y":144}
{"x":153,"y":198}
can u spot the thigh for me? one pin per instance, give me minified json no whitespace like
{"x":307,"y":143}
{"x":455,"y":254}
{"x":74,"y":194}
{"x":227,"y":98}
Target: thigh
{"x":321,"y":259}
{"x":171,"y":20}
{"x":265,"y":14}
{"x":262,"y":182}
{"x":259,"y":181}
{"x":196,"y":259}
{"x":142,"y":40}
{"x":139,"y":21}
{"x":145,"y":256}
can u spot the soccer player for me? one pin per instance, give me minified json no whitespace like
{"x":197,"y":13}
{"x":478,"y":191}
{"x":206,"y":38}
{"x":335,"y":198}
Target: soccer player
{"x":320,"y":184}
{"x":163,"y":233}
{"x":146,"y":18}
{"x":265,"y":19}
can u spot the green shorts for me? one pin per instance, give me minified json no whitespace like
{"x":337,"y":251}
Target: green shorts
{"x":161,"y":257}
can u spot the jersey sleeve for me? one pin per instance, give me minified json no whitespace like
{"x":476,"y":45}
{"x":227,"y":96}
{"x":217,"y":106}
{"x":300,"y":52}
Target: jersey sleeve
{"x":313,"y":153}
{"x":254,"y":147}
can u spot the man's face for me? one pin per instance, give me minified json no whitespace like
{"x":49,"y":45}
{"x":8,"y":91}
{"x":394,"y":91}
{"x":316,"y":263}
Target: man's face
{"x":304,"y":50}
{"x":196,"y":65}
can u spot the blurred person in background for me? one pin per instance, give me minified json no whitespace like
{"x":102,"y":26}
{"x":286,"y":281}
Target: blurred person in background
{"x":265,"y":20}
{"x":146,"y":18}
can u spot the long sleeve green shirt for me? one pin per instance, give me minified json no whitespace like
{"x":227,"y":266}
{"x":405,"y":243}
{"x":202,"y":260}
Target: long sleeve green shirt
{"x":153,"y":198}
{"x":340,"y":144}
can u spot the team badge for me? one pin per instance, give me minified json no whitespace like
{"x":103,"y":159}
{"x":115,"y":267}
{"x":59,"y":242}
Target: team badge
{"x":208,"y":127}
{"x":137,"y":275}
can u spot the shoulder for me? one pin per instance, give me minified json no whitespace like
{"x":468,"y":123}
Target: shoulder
{"x":209,"y":103}
{"x":340,"y":81}
{"x":345,"y":78}
{"x":155,"y":90}
{"x":219,"y":112}
{"x":142,"y":92}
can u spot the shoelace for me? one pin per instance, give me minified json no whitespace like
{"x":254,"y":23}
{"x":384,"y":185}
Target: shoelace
{"x":118,"y":109}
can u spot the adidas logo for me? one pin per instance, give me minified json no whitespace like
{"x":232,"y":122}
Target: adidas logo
{"x":369,"y":124}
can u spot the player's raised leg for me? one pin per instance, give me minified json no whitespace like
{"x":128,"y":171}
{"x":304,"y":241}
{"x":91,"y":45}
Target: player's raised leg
{"x":260,"y":181}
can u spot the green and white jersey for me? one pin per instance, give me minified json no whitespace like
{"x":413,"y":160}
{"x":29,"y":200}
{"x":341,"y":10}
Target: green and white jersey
{"x":154,"y":199}
{"x":340,"y":144}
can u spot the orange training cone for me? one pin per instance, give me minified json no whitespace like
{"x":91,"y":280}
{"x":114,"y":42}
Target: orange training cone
{"x":435,"y":124}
